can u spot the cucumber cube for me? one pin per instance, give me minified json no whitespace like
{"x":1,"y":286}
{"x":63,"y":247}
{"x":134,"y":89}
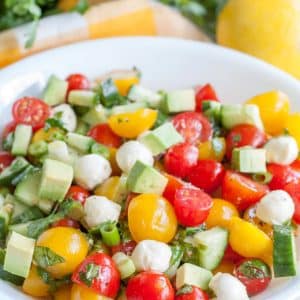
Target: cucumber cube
{"x":161,"y":138}
{"x":79,"y":142}
{"x":96,"y":115}
{"x":145,"y":179}
{"x":178,"y":101}
{"x":22,"y":137}
{"x":56,"y":180}
{"x":131,"y":107}
{"x":56,"y":91}
{"x":82,"y":98}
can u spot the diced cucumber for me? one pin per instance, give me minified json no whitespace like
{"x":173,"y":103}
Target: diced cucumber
{"x":56,"y":91}
{"x":82,"y":127}
{"x":31,"y":213}
{"x":22,"y":175}
{"x":45,"y":205}
{"x":17,"y":166}
{"x":22,"y":137}
{"x":124,"y":264}
{"x":212,"y":244}
{"x":79,"y":142}
{"x":131,"y":107}
{"x":235,"y":114}
{"x":249,"y":160}
{"x":137,"y":93}
{"x":38,"y":148}
{"x":95,"y":115}
{"x":178,"y":101}
{"x":212,"y":110}
{"x":97,"y":148}
{"x":82,"y":98}
{"x":18,"y":207}
{"x":284,"y":251}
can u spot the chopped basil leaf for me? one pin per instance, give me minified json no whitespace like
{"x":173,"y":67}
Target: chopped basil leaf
{"x":45,"y":257}
{"x":54,"y":122}
{"x":91,"y":273}
{"x":81,"y":6}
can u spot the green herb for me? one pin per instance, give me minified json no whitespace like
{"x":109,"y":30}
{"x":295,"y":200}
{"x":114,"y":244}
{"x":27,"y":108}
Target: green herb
{"x":31,"y":35}
{"x":81,"y":6}
{"x":45,"y":257}
{"x":91,"y":273}
{"x":161,"y":119}
{"x":32,"y":213}
{"x":55,"y":122}
{"x":124,"y":231}
{"x":18,"y":178}
{"x":186,"y":289}
{"x":8,"y":141}
{"x":236,"y":138}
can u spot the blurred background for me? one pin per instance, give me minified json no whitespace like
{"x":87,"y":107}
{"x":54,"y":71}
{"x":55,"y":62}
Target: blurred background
{"x":268,"y":29}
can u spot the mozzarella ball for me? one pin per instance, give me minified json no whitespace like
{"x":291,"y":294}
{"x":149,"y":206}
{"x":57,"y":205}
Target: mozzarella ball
{"x":150,"y":255}
{"x":91,"y":170}
{"x":68,"y":116}
{"x":130,"y":152}
{"x":58,"y":150}
{"x":275,"y":208}
{"x":282,"y":150}
{"x":98,"y":209}
{"x":228,"y":287}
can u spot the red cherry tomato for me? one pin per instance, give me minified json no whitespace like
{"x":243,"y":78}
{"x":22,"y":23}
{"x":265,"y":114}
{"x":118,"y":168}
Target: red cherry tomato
{"x":294,"y":190}
{"x":180,"y":158}
{"x":104,"y":135}
{"x":77,"y":193}
{"x":31,"y":111}
{"x":254,"y":274}
{"x":173,"y":185}
{"x":78,"y":82}
{"x":282,"y":175}
{"x":66,"y":223}
{"x":193,"y":126}
{"x":244,"y":135}
{"x":126,"y":248}
{"x":207,"y":175}
{"x":98,"y":272}
{"x":192,"y":293}
{"x":241,"y":190}
{"x":149,"y":286}
{"x":204,"y":93}
{"x":231,"y":255}
{"x":191,"y":206}
{"x":5,"y":160}
{"x":10,"y":127}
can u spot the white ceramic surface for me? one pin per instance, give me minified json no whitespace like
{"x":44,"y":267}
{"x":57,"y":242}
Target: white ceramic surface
{"x":165,"y":64}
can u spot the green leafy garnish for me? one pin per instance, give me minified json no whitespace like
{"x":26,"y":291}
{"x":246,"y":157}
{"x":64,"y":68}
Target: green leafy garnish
{"x":32,"y":213}
{"x":186,"y":289}
{"x":55,"y":122}
{"x":91,"y":272}
{"x":81,"y":6}
{"x":45,"y":257}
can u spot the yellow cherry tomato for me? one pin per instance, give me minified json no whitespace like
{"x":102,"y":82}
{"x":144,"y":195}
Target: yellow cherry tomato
{"x":130,"y":125}
{"x":80,"y":292}
{"x":214,"y":149}
{"x":124,"y":84}
{"x":67,"y":242}
{"x":113,"y":162}
{"x":63,"y":293}
{"x":274,"y":109}
{"x":47,"y":136}
{"x":34,"y":285}
{"x":292,"y":126}
{"x":151,"y":217}
{"x":221,"y":213}
{"x":248,"y":240}
{"x":108,"y":188}
{"x":250,"y":216}
{"x":224,"y":267}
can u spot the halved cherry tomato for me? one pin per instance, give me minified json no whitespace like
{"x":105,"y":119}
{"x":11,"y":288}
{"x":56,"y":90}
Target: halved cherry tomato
{"x":180,"y":158}
{"x":244,"y":135}
{"x":205,"y":93}
{"x":31,"y":111}
{"x":149,"y":286}
{"x":78,"y":82}
{"x":66,"y":223}
{"x":193,"y":126}
{"x":98,"y":272}
{"x":254,"y":274}
{"x":102,"y":134}
{"x":207,"y":175}
{"x":173,"y":185}
{"x":5,"y":160}
{"x":282,"y":175}
{"x":231,"y":255}
{"x":241,"y":190}
{"x":77,"y":193}
{"x":126,"y":247}
{"x":192,"y":206}
{"x":294,"y":190}
{"x":191,"y":293}
{"x":9,"y":127}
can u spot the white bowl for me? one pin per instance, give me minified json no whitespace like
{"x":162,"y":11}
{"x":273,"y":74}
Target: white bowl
{"x":165,"y":64}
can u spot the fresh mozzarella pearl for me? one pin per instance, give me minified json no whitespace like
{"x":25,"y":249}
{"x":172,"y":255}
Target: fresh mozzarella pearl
{"x":276,"y":207}
{"x":68,"y":116}
{"x":151,"y":255}
{"x":130,"y":152}
{"x":281,"y":150}
{"x":226,"y":287}
{"x":58,"y":150}
{"x":91,"y":170}
{"x":98,"y":209}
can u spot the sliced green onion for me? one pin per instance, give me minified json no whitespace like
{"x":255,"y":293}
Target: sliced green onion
{"x":124,"y":264}
{"x":38,"y":149}
{"x":110,"y":234}
{"x":262,"y":178}
{"x":100,"y":149}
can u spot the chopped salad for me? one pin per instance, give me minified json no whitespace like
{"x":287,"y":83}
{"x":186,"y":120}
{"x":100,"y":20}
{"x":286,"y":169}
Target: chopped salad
{"x":111,"y":190}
